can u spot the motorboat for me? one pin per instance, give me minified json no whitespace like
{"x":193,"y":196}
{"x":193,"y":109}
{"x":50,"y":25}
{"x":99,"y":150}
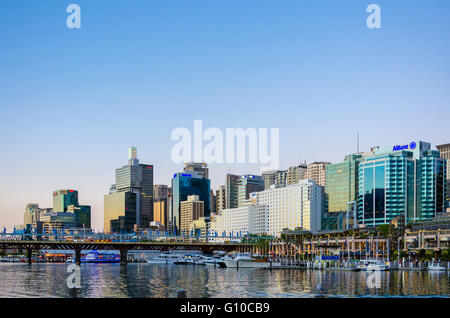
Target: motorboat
{"x":435,"y":267}
{"x":373,"y":264}
{"x":163,"y":259}
{"x":70,"y":260}
{"x":191,"y":260}
{"x":246,"y":261}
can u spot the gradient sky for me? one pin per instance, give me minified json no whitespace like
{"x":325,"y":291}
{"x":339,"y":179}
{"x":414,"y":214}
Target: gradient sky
{"x":72,"y":101}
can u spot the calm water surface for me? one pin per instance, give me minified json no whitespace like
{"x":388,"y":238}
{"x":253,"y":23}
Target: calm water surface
{"x":149,"y":280}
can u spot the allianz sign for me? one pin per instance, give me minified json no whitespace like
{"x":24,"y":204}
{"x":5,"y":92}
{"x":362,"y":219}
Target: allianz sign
{"x":411,"y":146}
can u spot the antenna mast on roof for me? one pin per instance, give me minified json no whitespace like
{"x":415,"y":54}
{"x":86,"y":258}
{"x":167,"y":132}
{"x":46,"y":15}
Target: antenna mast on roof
{"x":357,"y":143}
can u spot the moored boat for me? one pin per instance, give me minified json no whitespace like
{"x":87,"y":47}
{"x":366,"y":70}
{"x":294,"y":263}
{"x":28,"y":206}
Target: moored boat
{"x":163,"y":259}
{"x":435,"y":267}
{"x":246,"y":261}
{"x":96,"y":257}
{"x":372,"y":264}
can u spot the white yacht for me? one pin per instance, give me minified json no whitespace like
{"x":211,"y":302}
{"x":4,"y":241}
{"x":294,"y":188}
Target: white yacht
{"x":211,"y":261}
{"x":191,"y":260}
{"x":435,"y":267}
{"x":246,"y":261}
{"x":372,"y":264}
{"x":163,"y":259}
{"x":70,"y":260}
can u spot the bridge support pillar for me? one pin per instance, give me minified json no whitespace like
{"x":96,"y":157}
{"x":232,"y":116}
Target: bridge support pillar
{"x":29,"y":255}
{"x":78,"y":257}
{"x":123,"y":257}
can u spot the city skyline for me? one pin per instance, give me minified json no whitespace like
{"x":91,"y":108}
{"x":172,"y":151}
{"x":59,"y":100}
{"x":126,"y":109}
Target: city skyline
{"x":213,"y":188}
{"x":73,"y":101}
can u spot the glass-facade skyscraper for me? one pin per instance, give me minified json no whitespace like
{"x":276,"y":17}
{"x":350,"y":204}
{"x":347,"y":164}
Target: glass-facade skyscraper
{"x":137,"y":179}
{"x":248,"y":184}
{"x":404,"y":180}
{"x":238,"y":188}
{"x":120,"y":212}
{"x":445,"y":154}
{"x":342,"y":183}
{"x":183,"y":185}
{"x":63,"y":198}
{"x":67,"y":201}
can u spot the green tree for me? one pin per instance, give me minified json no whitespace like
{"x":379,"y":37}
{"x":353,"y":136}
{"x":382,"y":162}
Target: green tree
{"x":384,"y":230}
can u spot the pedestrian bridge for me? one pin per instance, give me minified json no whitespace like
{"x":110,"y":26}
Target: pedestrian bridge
{"x":123,"y":247}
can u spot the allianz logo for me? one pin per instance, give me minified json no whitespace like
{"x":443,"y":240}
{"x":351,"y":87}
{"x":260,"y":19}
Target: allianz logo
{"x":411,"y":146}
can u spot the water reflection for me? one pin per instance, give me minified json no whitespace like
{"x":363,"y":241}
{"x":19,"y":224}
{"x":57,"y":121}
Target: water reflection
{"x":148,"y":280}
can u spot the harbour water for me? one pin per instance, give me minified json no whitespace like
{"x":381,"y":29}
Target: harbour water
{"x":148,"y":280}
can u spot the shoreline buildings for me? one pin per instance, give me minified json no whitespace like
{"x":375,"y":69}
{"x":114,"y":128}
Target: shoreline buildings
{"x":239,"y":187}
{"x":190,"y":210}
{"x":66,"y":214}
{"x":284,"y":177}
{"x":129,"y":204}
{"x":445,"y":154}
{"x":375,"y":187}
{"x":317,"y":171}
{"x":407,"y":180}
{"x":189,"y":182}
{"x":296,"y":206}
{"x":160,"y":204}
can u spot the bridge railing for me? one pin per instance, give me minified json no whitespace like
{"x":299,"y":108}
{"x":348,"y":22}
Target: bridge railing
{"x":130,"y":237}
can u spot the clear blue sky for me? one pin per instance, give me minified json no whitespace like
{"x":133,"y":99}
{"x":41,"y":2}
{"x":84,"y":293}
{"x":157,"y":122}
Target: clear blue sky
{"x":73,"y":101}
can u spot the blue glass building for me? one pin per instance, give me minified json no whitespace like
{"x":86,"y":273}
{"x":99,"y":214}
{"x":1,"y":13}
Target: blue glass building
{"x":183,"y":185}
{"x":404,"y":180}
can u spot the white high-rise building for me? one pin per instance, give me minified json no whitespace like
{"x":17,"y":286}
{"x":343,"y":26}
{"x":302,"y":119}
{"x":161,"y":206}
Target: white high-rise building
{"x":296,"y":206}
{"x":248,"y":219}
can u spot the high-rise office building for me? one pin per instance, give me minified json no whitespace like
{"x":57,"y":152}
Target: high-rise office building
{"x":231,"y":190}
{"x":82,"y":215}
{"x":198,"y":167}
{"x":138,"y":179}
{"x":269,"y":178}
{"x":248,"y":184}
{"x":160,"y":210}
{"x":281,"y":178}
{"x":444,"y":150}
{"x":404,"y":180}
{"x":160,"y":204}
{"x":275,"y":177}
{"x":296,"y":173}
{"x":120,"y":210}
{"x":32,"y":214}
{"x":56,"y":221}
{"x":220,"y":199}
{"x":190,"y":210}
{"x":63,"y":198}
{"x":342,"y":184}
{"x":212,"y":201}
{"x":183,"y":185}
{"x":160,"y":191}
{"x":317,"y":171}
{"x":238,"y":189}
{"x":65,"y":206}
